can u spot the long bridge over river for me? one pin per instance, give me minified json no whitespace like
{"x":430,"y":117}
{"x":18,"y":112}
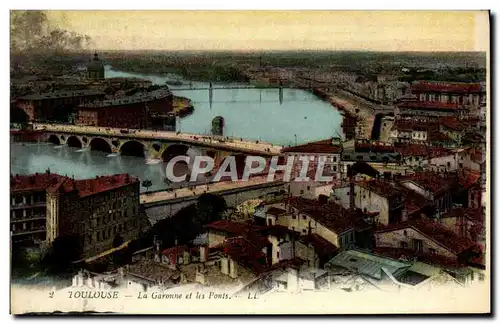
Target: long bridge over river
{"x":151,"y":143}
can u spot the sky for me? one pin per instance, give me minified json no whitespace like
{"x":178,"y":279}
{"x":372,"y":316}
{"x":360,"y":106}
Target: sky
{"x":281,"y":30}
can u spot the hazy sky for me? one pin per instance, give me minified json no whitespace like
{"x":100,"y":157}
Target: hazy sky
{"x":281,"y":30}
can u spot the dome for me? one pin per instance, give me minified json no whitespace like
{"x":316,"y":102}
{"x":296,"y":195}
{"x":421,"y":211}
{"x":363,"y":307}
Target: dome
{"x":96,"y":64}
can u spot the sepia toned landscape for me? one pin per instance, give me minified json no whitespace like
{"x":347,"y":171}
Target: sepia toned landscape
{"x":189,"y":162}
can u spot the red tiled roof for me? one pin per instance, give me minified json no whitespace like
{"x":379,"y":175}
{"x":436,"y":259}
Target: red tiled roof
{"x":413,"y":201}
{"x":467,"y":178}
{"x":323,"y":146}
{"x":37,"y":181}
{"x":235,"y":228}
{"x":436,"y":232}
{"x":245,"y":253}
{"x":421,"y":150}
{"x":452,"y":123}
{"x":431,"y":181}
{"x":330,"y":215}
{"x":321,"y":246}
{"x":447,"y":87}
{"x":428,"y":105}
{"x":411,"y":125}
{"x":89,"y":187}
{"x":475,"y":215}
{"x":379,"y":187}
{"x":438,"y":136}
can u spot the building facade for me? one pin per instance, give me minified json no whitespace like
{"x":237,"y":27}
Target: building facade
{"x":42,"y":106}
{"x":46,"y":206}
{"x":135,"y":111}
{"x":95,"y":210}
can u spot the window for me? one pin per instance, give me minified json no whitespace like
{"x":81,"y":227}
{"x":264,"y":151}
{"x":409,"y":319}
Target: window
{"x":334,"y":168}
{"x":448,"y":164}
{"x":304,"y":217}
{"x":294,"y":217}
{"x":304,"y":231}
{"x":403,"y":245}
{"x":308,"y":188}
{"x":417,"y":245}
{"x":277,"y":254}
{"x":301,"y":192}
{"x":432,"y":251}
{"x":405,"y":233}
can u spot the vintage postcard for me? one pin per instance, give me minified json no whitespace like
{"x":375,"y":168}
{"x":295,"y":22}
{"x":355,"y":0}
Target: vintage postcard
{"x":250,"y":162}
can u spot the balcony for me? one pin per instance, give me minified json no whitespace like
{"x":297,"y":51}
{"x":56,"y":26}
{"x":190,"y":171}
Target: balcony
{"x":29,"y":218}
{"x":36,"y":230}
{"x":24,"y":206}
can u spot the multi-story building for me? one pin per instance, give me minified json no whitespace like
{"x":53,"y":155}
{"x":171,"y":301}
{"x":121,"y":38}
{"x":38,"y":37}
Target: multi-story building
{"x":442,"y":99}
{"x":135,"y":111}
{"x":28,"y":207}
{"x":46,"y":206}
{"x":43,"y":106}
{"x":326,"y":151}
{"x":96,"y":210}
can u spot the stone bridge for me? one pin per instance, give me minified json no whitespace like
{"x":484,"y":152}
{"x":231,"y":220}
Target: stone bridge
{"x":152,"y":144}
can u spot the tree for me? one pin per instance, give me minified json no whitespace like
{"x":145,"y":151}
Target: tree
{"x":146,"y":184}
{"x":64,"y":250}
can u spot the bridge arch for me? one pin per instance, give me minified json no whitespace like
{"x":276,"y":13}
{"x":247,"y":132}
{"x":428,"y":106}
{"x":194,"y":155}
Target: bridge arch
{"x":100,"y":144}
{"x":132,"y":148}
{"x":74,"y":141}
{"x":174,"y":150}
{"x":54,"y":139}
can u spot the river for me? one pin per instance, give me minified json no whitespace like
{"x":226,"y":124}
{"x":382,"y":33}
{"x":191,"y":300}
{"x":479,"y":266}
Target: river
{"x":248,"y":113}
{"x":253,"y":113}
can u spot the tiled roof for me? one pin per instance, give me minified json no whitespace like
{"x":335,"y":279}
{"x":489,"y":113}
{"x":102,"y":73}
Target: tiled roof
{"x":235,"y":228}
{"x":380,"y":187}
{"x":428,"y":105}
{"x":323,"y":146}
{"x":436,"y":232}
{"x":321,"y":246}
{"x":421,"y":150}
{"x":438,"y":136}
{"x":453,"y":123}
{"x":37,"y":181}
{"x":473,"y":214}
{"x":447,"y":87}
{"x":468,"y":178}
{"x":89,"y":187}
{"x":431,"y":181}
{"x":62,"y":94}
{"x":413,"y":201}
{"x":330,"y":215}
{"x":413,"y":125}
{"x":137,"y":98}
{"x":245,"y":253}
